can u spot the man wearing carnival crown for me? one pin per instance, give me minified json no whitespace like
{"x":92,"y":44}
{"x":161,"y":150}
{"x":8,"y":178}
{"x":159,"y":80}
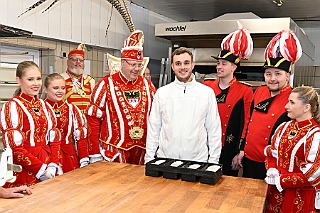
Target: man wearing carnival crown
{"x":78,"y":85}
{"x":119,"y":108}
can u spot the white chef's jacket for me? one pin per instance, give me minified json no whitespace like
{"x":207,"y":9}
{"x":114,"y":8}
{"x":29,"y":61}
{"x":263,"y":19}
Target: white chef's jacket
{"x":184,"y":123}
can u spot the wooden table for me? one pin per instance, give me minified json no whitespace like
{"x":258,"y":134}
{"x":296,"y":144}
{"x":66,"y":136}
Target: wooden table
{"x":114,"y":187}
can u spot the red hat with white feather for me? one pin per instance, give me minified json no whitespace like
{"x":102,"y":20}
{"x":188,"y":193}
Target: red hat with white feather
{"x":283,"y":50}
{"x":236,"y":46}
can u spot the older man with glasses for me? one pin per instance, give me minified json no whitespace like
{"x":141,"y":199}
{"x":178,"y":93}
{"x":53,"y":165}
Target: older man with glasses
{"x":78,"y":85}
{"x":119,"y":108}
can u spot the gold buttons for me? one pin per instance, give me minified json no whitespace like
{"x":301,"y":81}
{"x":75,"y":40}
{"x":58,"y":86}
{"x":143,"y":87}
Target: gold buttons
{"x":227,"y":116}
{"x":272,"y":115}
{"x":229,"y":106}
{"x":266,"y":139}
{"x":269,"y":127}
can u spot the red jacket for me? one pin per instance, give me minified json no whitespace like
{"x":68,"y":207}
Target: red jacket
{"x":234,"y":110}
{"x":267,"y":114}
{"x":28,"y":126}
{"x":116,"y":103}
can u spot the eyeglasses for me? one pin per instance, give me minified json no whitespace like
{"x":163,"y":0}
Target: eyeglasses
{"x":76,"y":59}
{"x":134,"y":65}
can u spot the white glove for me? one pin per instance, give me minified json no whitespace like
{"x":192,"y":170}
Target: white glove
{"x":59,"y":170}
{"x":95,"y":159}
{"x":270,"y":180}
{"x":50,"y":172}
{"x":273,"y":172}
{"x":84,"y":163}
{"x":274,"y":153}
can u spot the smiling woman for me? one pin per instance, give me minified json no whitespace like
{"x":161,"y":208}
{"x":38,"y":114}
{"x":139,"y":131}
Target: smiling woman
{"x":70,"y":122}
{"x":29,"y":129}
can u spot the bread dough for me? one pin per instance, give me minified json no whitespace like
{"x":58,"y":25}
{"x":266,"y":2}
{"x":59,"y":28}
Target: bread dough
{"x":176,"y":163}
{"x":213,"y":168}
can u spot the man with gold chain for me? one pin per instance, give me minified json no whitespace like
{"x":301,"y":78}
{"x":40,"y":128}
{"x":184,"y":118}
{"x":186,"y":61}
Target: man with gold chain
{"x":119,"y":108}
{"x":78,"y":85}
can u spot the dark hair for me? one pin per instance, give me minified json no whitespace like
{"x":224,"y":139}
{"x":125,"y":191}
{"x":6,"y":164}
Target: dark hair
{"x":48,"y":79}
{"x":309,"y":95}
{"x":20,"y":72}
{"x":180,"y":51}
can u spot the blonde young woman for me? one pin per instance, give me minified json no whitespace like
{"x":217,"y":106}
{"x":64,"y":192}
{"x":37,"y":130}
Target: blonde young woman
{"x":74,"y":146}
{"x":28,"y":127}
{"x":293,"y":158}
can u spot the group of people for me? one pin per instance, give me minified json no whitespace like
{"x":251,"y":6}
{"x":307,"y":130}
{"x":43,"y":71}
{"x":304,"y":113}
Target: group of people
{"x":272,"y":133}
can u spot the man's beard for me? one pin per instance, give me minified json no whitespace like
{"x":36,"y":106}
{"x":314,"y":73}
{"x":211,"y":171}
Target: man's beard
{"x":76,"y":72}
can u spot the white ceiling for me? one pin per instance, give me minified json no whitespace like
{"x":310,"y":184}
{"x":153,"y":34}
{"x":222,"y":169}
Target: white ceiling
{"x":305,"y":13}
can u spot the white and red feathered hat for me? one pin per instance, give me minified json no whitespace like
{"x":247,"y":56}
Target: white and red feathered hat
{"x":78,"y":50}
{"x":283,"y":50}
{"x":132,"y":46}
{"x":236,"y":46}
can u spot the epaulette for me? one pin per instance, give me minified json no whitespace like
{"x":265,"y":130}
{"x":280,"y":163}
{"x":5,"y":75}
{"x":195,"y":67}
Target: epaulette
{"x":245,"y":83}
{"x":207,"y":79}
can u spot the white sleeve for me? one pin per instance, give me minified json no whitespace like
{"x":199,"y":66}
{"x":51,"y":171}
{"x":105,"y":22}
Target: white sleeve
{"x":153,"y":129}
{"x":213,"y":126}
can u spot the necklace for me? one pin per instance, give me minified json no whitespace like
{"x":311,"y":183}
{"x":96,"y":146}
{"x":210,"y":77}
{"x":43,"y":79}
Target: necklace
{"x":296,"y":129}
{"x":77,"y":85}
{"x":136,"y":132}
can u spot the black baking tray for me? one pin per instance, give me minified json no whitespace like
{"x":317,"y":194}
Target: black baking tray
{"x":186,"y":170}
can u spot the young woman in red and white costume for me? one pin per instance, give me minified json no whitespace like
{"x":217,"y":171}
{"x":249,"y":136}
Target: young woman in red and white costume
{"x":28,"y":127}
{"x":293,"y":158}
{"x":70,"y":122}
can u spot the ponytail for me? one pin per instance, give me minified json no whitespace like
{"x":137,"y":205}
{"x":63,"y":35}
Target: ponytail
{"x":17,"y":91}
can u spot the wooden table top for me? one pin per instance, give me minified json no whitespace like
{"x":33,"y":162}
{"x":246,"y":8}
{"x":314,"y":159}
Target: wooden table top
{"x":115,"y":187}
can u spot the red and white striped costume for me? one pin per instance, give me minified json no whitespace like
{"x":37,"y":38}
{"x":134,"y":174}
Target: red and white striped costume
{"x":109,"y":114}
{"x":74,"y":145}
{"x":28,"y":126}
{"x":84,"y":83}
{"x":295,"y":153}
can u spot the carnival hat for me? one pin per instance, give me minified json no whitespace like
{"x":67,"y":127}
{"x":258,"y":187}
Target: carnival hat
{"x":78,"y":50}
{"x":132,"y":46}
{"x":132,"y":49}
{"x":236,"y":46}
{"x":283,"y":50}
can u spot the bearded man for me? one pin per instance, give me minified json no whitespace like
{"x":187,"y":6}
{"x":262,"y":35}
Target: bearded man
{"x":78,"y":85}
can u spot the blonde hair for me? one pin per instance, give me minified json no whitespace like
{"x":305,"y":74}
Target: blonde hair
{"x":309,"y":95}
{"x":47,"y":81}
{"x":20,"y":72}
